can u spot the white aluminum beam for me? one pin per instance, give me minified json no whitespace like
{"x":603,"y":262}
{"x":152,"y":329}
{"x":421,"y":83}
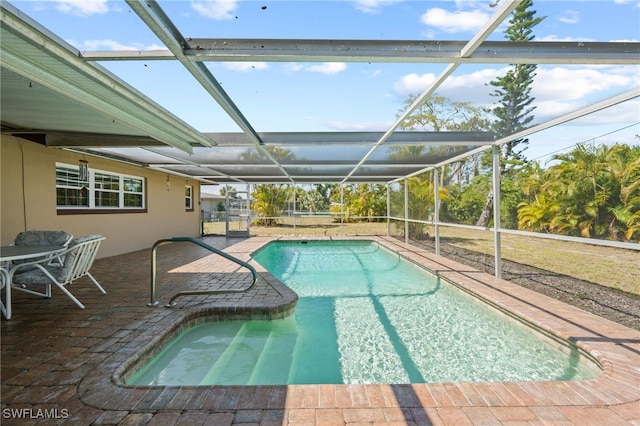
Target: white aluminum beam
{"x":387,"y":51}
{"x":356,"y":138}
{"x":590,"y":109}
{"x":155,"y":18}
{"x":501,"y":13}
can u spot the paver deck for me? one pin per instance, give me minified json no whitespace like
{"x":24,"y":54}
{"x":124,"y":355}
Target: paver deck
{"x":63,"y":365}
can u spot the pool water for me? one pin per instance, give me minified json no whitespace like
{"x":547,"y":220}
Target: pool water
{"x":365,"y":315}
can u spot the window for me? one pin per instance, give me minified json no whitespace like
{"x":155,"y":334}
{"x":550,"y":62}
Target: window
{"x":100,"y":191}
{"x":70,"y":190}
{"x":188,"y":197}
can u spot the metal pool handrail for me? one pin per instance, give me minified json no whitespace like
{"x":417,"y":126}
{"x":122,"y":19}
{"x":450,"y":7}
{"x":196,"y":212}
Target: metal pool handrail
{"x":158,"y":243}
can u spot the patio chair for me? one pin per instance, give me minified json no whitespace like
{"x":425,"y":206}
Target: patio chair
{"x":42,"y":238}
{"x":78,"y":259}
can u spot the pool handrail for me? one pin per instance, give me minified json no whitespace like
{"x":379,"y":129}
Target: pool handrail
{"x":219,"y":252}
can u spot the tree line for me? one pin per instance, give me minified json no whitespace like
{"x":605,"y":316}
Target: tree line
{"x":591,"y":191}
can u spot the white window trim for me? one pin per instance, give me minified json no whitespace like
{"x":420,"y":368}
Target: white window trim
{"x":189,"y":198}
{"x":121,"y":191}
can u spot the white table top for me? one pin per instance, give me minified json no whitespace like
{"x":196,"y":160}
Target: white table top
{"x":9,"y":253}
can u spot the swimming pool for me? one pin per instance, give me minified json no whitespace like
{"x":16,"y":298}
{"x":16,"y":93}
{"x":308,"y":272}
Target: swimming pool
{"x":365,"y":315}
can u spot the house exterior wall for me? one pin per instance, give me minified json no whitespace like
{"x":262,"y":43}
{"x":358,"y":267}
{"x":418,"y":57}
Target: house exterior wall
{"x":28,"y":200}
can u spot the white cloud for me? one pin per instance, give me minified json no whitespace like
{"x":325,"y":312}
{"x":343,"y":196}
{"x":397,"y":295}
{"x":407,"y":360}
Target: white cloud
{"x":573,"y":84}
{"x":455,"y":22}
{"x":246,"y":66}
{"x":292,"y":67}
{"x":108,"y":44}
{"x":373,"y":6}
{"x":553,"y":37}
{"x":327,"y":67}
{"x":467,"y":82}
{"x":346,"y":126}
{"x":561,"y":90}
{"x":324,"y":68}
{"x":462,"y":88}
{"x":624,"y":112}
{"x":413,"y":84}
{"x":569,"y":17}
{"x":557,"y":90}
{"x":549,"y":109}
{"x":215,"y":9}
{"x":82,"y":7}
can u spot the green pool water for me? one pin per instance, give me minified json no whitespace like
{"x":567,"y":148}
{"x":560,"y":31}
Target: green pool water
{"x":365,"y":315}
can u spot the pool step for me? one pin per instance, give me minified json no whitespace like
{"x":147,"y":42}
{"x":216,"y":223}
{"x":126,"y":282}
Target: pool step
{"x":260,"y":352}
{"x":235,"y":365}
{"x":276,"y":360}
{"x":316,"y":358}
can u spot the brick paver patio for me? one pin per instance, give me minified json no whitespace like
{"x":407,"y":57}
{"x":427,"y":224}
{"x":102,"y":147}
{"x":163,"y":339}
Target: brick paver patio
{"x":63,"y":365}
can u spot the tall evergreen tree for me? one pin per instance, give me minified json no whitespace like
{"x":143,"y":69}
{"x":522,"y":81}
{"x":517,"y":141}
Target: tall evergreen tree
{"x":514,"y":91}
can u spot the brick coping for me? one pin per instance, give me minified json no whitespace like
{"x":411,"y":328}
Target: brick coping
{"x":615,"y":347}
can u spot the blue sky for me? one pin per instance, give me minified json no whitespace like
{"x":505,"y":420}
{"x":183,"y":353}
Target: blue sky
{"x":353,"y":96}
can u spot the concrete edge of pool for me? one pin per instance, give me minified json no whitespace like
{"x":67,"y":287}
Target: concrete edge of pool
{"x":615,"y":347}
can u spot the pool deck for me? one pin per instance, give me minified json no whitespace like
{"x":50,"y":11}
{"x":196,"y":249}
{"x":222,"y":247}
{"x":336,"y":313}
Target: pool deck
{"x":63,"y":362}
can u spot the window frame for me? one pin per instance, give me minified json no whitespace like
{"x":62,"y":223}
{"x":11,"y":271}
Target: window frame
{"x":188,"y":198}
{"x":124,"y":192}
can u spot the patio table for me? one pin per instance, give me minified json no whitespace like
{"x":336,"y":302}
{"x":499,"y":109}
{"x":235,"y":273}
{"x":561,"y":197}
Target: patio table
{"x":11,"y":253}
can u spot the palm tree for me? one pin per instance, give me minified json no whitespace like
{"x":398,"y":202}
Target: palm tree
{"x":421,"y":202}
{"x":312,"y":201}
{"x":269,"y":201}
{"x":592,"y":192}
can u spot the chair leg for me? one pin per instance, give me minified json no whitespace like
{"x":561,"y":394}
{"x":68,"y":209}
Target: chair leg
{"x":96,"y":283}
{"x":71,"y":296}
{"x":6,"y":306}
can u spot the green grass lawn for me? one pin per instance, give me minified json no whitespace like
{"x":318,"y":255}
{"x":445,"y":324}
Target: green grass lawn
{"x":607,"y":266}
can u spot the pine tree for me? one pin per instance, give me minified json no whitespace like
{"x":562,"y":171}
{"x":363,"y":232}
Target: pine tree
{"x":514,"y":91}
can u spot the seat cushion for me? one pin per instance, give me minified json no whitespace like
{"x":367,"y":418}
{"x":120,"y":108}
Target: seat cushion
{"x":39,"y":238}
{"x":36,"y":276}
{"x":42,"y":238}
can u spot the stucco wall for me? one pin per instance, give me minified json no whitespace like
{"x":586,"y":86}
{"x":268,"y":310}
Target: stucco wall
{"x":28,"y":200}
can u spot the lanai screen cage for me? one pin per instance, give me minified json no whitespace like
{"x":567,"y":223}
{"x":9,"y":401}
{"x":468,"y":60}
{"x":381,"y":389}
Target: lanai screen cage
{"x":47,"y":83}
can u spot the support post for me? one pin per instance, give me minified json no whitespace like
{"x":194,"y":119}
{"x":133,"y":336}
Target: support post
{"x":248,"y":209}
{"x":406,"y":211}
{"x":496,"y":212}
{"x":436,"y":209}
{"x":388,"y":210}
{"x":294,"y":210}
{"x":342,"y":209}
